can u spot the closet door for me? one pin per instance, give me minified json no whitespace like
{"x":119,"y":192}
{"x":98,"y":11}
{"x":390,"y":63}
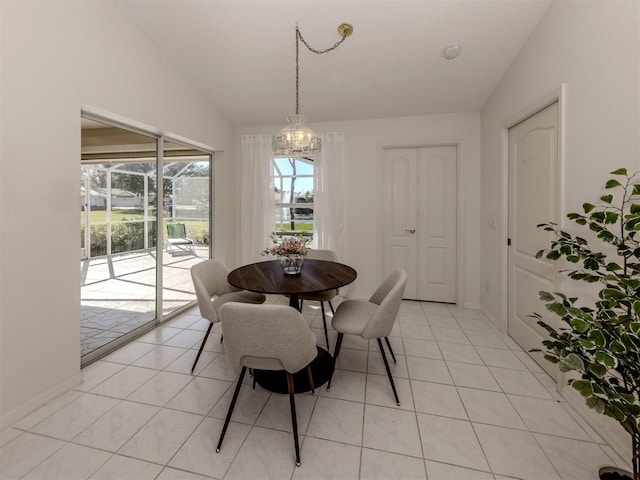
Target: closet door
{"x":419,"y":219}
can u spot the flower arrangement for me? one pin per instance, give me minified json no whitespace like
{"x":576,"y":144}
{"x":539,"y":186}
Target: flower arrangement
{"x":288,"y":247}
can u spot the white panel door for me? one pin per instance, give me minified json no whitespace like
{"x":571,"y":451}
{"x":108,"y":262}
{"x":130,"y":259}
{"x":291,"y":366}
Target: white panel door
{"x":533,"y":199}
{"x":419,"y":212}
{"x":400,"y":214}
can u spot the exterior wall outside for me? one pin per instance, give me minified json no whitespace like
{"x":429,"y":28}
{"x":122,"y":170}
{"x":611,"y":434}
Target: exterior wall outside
{"x":576,"y":44}
{"x":58,"y":57}
{"x":364,"y":140}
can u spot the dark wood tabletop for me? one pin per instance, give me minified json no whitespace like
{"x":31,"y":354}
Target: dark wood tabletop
{"x":268,"y":277}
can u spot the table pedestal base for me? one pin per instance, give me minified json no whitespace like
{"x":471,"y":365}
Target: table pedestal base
{"x":276,"y":381}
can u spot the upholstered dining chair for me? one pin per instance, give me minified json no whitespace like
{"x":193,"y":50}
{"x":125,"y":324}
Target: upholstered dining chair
{"x":373,"y":318}
{"x":326,"y":296}
{"x":267,"y":337}
{"x":213,"y":291}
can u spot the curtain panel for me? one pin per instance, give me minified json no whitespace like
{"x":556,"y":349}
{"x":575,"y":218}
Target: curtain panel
{"x":257,"y":201}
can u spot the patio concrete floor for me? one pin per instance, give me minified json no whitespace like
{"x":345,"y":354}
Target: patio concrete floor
{"x":118,"y":294}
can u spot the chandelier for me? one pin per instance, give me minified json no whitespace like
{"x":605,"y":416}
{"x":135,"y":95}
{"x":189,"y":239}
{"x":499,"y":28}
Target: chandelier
{"x":296,"y":139}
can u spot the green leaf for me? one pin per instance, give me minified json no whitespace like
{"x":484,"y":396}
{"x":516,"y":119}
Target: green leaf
{"x":617,"y":347}
{"x":557,"y":308}
{"x":587,"y":207}
{"x":545,"y":296}
{"x":603,"y":358}
{"x":598,"y":370}
{"x":634,"y":208}
{"x":596,"y":337}
{"x":612,"y":183}
{"x":571,"y":362}
{"x":620,"y":171}
{"x":635,"y":326}
{"x":584,"y":387}
{"x":587,"y":344}
{"x":579,"y":326}
{"x":611,"y":218}
{"x":596,"y":403}
{"x":607,"y":198}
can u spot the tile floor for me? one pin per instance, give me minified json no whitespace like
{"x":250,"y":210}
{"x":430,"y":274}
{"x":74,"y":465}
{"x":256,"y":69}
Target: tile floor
{"x":473,"y":406}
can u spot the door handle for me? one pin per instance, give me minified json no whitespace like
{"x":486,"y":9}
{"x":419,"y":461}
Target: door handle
{"x":410,"y":230}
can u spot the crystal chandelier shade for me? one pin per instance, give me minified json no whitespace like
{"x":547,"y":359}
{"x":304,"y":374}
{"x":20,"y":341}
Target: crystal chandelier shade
{"x":296,"y":139}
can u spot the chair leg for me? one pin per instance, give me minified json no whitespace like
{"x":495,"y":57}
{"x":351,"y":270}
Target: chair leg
{"x":204,"y":340}
{"x":336,"y":352}
{"x":310,"y":376}
{"x":386,"y":365}
{"x":324,"y":321}
{"x":294,"y":419}
{"x":386,"y":339}
{"x":300,"y":306}
{"x":230,"y":412}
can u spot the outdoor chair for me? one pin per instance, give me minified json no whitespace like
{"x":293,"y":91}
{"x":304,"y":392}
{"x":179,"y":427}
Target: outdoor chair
{"x":372,"y":319}
{"x":213,"y":291}
{"x":327,"y":296}
{"x":177,"y":237}
{"x":267,"y":337}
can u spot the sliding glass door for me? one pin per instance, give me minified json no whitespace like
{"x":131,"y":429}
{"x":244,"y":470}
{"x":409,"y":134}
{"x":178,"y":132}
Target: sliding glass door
{"x":130,"y":280}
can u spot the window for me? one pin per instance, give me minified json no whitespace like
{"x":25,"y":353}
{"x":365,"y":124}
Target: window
{"x":293,"y":187}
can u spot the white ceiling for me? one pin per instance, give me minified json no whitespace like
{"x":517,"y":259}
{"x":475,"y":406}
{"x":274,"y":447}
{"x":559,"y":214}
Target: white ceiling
{"x":241,"y":53}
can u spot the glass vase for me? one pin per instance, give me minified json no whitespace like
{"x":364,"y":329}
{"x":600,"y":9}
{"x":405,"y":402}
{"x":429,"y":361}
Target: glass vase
{"x":292,"y":264}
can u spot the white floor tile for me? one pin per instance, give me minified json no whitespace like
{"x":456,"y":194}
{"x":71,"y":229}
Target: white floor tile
{"x":499,"y":357}
{"x":265,"y":454}
{"x":162,"y":436}
{"x":25,"y":453}
{"x":322,"y":459}
{"x":428,"y":370}
{"x":492,"y":408}
{"x":547,"y":416}
{"x":346,"y":385}
{"x":515,"y":453}
{"x":473,"y":376}
{"x":456,"y":352}
{"x":442,"y":471}
{"x":160,"y":357}
{"x":379,"y":392}
{"x":421,"y":348}
{"x":391,"y":429}
{"x":450,"y":441}
{"x":377,"y":465}
{"x":160,"y":389}
{"x":337,"y":420}
{"x":69,"y":421}
{"x":437,"y":399}
{"x":198,"y":454}
{"x":519,"y":383}
{"x":125,"y":382}
{"x":124,"y":468}
{"x":47,"y":410}
{"x":248,"y":407}
{"x":117,"y":426}
{"x":70,"y":462}
{"x":200,"y":395}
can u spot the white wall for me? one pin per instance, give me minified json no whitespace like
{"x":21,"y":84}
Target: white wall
{"x":364,"y":141}
{"x":594,"y":48}
{"x":58,"y":56}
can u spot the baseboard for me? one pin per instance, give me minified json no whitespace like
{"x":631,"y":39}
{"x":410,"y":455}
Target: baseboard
{"x":491,"y":318}
{"x":472,"y":305}
{"x":11,"y":417}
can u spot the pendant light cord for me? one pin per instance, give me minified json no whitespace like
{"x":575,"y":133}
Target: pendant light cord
{"x":300,"y":38}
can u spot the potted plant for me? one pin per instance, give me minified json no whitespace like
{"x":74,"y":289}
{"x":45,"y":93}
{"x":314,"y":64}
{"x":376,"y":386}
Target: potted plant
{"x":601,"y":342}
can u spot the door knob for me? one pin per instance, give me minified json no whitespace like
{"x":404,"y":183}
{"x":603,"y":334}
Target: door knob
{"x":410,"y":230}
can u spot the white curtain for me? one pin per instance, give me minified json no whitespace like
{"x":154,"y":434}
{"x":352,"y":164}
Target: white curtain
{"x":257,"y":201}
{"x":329,"y":196}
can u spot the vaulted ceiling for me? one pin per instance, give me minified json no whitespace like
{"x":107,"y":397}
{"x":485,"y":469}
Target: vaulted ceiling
{"x":241,"y":53}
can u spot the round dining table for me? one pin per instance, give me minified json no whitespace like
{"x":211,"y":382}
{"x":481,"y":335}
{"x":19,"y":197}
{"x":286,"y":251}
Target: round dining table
{"x":269,"y":278}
